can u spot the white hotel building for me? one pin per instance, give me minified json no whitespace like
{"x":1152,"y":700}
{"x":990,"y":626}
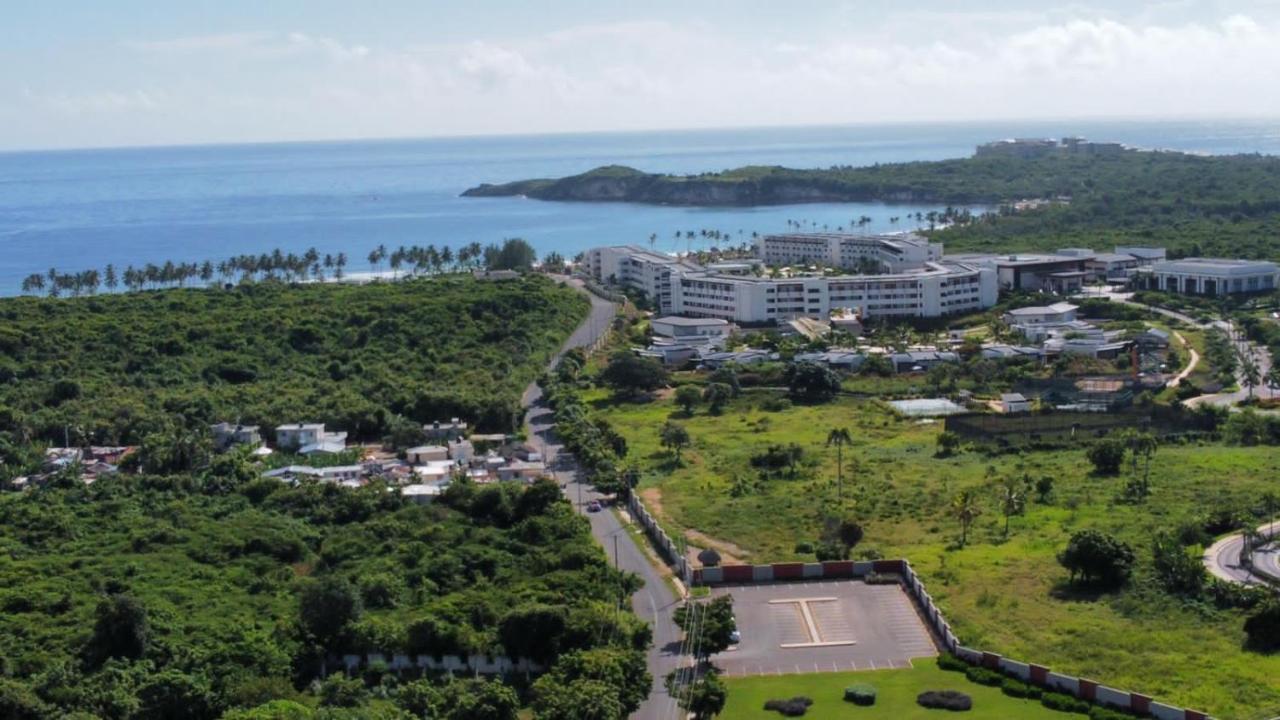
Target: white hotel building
{"x":917,"y":283}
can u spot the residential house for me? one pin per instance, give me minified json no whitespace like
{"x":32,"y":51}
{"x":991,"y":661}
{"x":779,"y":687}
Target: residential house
{"x":298,"y":436}
{"x":440,"y":433}
{"x":1014,"y":403}
{"x":424,"y":454}
{"x":226,"y":434}
{"x":522,"y":470}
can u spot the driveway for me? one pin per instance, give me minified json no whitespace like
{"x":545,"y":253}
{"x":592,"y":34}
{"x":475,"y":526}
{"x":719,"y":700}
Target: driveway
{"x":654,"y":601}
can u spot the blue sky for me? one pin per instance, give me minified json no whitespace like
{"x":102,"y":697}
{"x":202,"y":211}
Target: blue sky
{"x":138,"y":72}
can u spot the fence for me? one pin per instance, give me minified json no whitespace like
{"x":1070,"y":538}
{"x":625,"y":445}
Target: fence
{"x":1040,"y":675}
{"x":1061,"y":426}
{"x":669,"y":550}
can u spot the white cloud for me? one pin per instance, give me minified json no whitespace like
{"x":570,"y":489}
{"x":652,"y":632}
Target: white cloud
{"x":1067,"y":63}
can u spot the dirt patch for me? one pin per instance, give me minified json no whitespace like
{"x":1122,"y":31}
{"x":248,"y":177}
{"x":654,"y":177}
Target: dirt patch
{"x":730,"y":554}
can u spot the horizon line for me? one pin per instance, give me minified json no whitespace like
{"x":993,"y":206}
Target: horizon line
{"x":1120,"y":119}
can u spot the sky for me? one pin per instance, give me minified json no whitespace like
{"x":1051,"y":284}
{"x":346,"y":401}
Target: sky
{"x":88,"y":73}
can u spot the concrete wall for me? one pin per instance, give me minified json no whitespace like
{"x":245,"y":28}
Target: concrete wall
{"x":669,"y":550}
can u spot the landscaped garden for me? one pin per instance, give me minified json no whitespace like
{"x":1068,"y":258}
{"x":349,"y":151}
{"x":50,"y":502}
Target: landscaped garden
{"x":759,"y":483}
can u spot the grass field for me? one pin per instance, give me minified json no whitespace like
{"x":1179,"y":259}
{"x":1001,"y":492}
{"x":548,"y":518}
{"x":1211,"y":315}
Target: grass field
{"x":1007,"y":595}
{"x":896,"y":692}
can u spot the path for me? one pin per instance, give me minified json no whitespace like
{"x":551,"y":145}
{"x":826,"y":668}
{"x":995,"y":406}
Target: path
{"x":654,"y":601}
{"x":1191,"y":364}
{"x":1222,"y":559}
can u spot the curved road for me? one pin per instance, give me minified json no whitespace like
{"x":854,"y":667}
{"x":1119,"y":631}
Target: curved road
{"x":1222,"y":559}
{"x":654,"y":601}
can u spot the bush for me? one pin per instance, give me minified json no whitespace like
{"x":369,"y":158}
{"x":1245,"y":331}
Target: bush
{"x":860,"y":694}
{"x":795,"y":707}
{"x":804,"y":547}
{"x":876,"y":578}
{"x":984,"y":676}
{"x":1263,"y":628}
{"x":1063,"y":702}
{"x":945,"y":700}
{"x":1019,"y":689}
{"x":947,"y":661}
{"x":1097,"y":712}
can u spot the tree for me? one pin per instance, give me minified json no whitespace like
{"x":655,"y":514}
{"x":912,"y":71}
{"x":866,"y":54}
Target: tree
{"x":621,"y":671}
{"x":576,"y":700}
{"x":703,"y":697}
{"x":533,"y":631}
{"x":839,"y":437}
{"x":809,"y":382}
{"x":1177,"y":570}
{"x":948,"y":443}
{"x":1263,"y":628}
{"x":327,"y":608}
{"x":1012,"y":499}
{"x":688,"y":397}
{"x":674,"y":437}
{"x":514,"y":254}
{"x":1250,"y":374}
{"x":710,"y":625}
{"x":726,"y":375}
{"x":1145,"y":446}
{"x":1096,"y":558}
{"x":1106,"y":455}
{"x":965,"y":507}
{"x":121,"y":630}
{"x":172,"y":693}
{"x":1044,"y":488}
{"x":716,"y":395}
{"x":630,"y":375}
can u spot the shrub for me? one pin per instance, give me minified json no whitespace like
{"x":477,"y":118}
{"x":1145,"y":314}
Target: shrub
{"x":1097,"y":712}
{"x":1097,"y":558}
{"x":945,"y":700}
{"x":795,"y":707}
{"x":947,"y":661}
{"x":1019,"y":689}
{"x":804,"y":547}
{"x":861,"y":694}
{"x":1263,"y":628}
{"x":876,"y":578}
{"x":984,"y":676}
{"x":1063,"y":702}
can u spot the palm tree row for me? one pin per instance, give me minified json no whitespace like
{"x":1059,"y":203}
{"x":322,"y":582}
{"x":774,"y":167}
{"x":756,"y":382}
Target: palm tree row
{"x":276,"y":265}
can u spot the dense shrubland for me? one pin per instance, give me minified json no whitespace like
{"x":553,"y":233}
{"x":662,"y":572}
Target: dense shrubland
{"x":117,"y":368}
{"x":149,"y":597}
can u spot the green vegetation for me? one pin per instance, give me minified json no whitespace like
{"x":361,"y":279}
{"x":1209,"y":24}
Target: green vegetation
{"x":1002,"y":590}
{"x":361,"y":358}
{"x":1194,"y":205}
{"x":140,"y":595}
{"x":894,"y":694}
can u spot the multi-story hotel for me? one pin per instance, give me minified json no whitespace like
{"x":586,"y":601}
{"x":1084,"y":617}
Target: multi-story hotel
{"x":917,"y":283}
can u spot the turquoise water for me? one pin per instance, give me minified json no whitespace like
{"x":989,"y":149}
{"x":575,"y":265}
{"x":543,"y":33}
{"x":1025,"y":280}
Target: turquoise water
{"x":82,"y":209}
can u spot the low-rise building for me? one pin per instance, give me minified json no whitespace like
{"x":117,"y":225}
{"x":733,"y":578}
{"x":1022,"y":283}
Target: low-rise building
{"x":1014,"y":403}
{"x":227,"y":434}
{"x":297,"y":436}
{"x":442,"y":433}
{"x":1055,"y":314}
{"x":424,"y":454}
{"x":687,"y":328}
{"x":1208,"y":276}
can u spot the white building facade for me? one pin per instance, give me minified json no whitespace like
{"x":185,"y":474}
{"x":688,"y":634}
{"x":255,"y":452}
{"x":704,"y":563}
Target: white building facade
{"x":892,"y":253}
{"x":1208,"y":276}
{"x":929,"y":289}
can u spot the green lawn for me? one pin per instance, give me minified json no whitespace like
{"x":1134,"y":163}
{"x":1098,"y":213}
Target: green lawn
{"x":896,"y":692}
{"x":1006,"y":595}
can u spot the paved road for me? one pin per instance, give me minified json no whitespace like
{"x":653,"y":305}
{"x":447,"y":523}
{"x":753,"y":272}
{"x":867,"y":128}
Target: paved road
{"x":1222,"y":559}
{"x":654,"y":601}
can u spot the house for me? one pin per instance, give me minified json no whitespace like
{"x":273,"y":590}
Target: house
{"x":1055,"y":314}
{"x":296,"y":436}
{"x":293,"y":473}
{"x":324,"y":447}
{"x":339,"y":473}
{"x":920,"y":360}
{"x":522,"y":470}
{"x":835,"y":358}
{"x":683,"y":328}
{"x":1014,"y":403}
{"x":461,"y":450}
{"x":1154,"y":337}
{"x":424,"y":454}
{"x":742,"y":357}
{"x":227,"y":434}
{"x":422,"y":493}
{"x":435,"y":471}
{"x":1009,"y":352}
{"x":442,"y":432}
{"x":670,"y":354}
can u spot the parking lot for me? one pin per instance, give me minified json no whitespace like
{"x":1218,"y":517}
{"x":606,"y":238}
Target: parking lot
{"x":823,"y":626}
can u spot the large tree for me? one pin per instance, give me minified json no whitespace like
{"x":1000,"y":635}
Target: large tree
{"x":709,"y":625}
{"x":1096,"y":558}
{"x":674,"y":437}
{"x":630,"y":375}
{"x":966,"y":508}
{"x":702,"y":696}
{"x":809,"y":382}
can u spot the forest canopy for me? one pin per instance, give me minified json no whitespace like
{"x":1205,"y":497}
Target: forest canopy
{"x":111,"y":369}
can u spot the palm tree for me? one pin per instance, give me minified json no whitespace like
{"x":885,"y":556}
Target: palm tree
{"x":1250,"y":375}
{"x":965,"y":508}
{"x":1012,"y":500}
{"x":839,"y":437}
{"x":1145,"y":444}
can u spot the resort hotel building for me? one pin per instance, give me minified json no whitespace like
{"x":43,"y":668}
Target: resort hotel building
{"x":912,"y":279}
{"x":1208,"y":276}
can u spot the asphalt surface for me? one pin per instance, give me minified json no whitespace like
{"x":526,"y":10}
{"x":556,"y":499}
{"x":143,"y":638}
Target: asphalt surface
{"x":1222,"y":559}
{"x":654,"y":601}
{"x":843,"y":625}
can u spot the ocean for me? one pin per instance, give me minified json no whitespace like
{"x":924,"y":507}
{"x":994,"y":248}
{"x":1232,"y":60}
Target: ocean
{"x":78,"y":209}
